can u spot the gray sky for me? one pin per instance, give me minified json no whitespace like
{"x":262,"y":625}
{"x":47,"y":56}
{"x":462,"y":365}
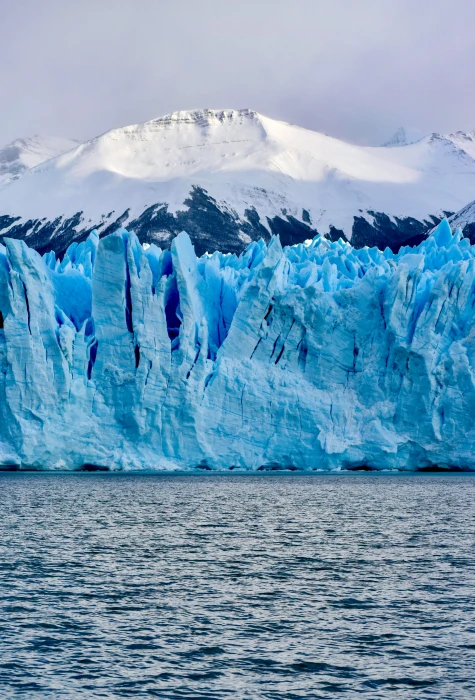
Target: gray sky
{"x":355,"y":69}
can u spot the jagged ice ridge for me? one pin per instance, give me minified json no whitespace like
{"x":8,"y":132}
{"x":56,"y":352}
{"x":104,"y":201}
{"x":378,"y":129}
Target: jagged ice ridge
{"x":315,"y":356}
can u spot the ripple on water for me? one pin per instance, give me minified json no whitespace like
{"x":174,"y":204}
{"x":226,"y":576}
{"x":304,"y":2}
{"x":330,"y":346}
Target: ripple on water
{"x":259,"y":586}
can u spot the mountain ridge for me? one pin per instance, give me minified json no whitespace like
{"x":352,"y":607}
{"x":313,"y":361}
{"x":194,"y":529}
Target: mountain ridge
{"x":23,"y":154}
{"x":232,"y":176}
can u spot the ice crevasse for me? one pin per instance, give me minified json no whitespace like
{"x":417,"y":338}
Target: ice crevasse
{"x":315,"y":356}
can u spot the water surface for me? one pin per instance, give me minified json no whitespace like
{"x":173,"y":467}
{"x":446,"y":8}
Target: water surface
{"x":265,"y":586}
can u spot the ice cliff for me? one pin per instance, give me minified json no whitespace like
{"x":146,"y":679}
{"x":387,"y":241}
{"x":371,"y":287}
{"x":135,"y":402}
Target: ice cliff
{"x":313,"y":356}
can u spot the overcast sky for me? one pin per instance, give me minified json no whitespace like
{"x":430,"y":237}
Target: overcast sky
{"x":355,"y":69}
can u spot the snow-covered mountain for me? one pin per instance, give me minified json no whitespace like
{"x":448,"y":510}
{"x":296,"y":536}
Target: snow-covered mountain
{"x":23,"y":154}
{"x":465,"y":220}
{"x":231,"y":176}
{"x":404,"y":136}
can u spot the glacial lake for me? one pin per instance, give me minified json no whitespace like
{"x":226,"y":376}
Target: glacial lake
{"x":237,"y":586}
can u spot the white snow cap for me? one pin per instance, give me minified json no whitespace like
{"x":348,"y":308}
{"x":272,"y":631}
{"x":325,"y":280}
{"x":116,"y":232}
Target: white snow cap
{"x":246,"y":161}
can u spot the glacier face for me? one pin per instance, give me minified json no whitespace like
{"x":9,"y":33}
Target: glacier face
{"x":315,"y":356}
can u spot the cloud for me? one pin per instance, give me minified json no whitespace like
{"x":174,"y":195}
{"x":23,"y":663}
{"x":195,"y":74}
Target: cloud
{"x":356,"y":70}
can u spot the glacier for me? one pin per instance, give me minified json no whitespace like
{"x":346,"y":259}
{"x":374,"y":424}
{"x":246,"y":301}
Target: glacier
{"x":321,"y":356}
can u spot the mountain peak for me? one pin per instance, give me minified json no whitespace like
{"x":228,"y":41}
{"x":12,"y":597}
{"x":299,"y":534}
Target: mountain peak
{"x":206,"y":117}
{"x":403,"y":137}
{"x":230,"y":176}
{"x":184,"y":123}
{"x":24,"y":153}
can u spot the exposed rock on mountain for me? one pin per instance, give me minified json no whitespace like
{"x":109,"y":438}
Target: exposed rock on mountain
{"x":232,"y":176}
